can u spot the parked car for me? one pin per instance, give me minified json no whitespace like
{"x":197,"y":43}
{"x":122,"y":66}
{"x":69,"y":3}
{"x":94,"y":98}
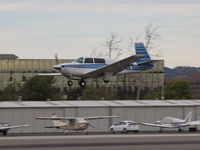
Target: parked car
{"x":124,"y":127}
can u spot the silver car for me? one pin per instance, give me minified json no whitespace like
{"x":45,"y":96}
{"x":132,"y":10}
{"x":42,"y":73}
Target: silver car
{"x":124,"y":127}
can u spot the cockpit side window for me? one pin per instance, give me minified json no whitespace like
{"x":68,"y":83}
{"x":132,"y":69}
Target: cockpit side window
{"x":88,"y":60}
{"x":99,"y":60}
{"x":79,"y":60}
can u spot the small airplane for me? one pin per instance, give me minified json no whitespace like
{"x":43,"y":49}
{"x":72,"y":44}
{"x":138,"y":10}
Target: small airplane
{"x":171,"y":122}
{"x":93,"y":67}
{"x":76,"y":124}
{"x":4,"y":127}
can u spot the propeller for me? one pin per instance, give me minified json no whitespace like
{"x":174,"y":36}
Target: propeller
{"x":90,"y":125}
{"x":56,"y":57}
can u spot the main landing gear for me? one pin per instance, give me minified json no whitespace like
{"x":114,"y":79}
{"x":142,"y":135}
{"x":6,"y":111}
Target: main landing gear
{"x":70,"y":83}
{"x":82,"y":83}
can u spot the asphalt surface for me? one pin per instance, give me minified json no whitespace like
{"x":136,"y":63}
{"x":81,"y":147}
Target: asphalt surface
{"x":183,"y":141}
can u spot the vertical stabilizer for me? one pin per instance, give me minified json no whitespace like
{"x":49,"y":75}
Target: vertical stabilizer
{"x":141,"y":50}
{"x":188,"y":117}
{"x":57,"y":123}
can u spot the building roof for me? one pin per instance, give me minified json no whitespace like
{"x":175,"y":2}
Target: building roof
{"x":8,"y":56}
{"x":93,"y":103}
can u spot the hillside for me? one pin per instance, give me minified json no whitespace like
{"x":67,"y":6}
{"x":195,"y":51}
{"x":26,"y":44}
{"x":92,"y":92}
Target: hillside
{"x":181,"y":72}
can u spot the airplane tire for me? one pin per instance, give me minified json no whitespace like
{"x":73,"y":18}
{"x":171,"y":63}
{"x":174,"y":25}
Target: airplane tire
{"x":82,"y":83}
{"x":5,"y":132}
{"x":179,"y":130}
{"x":70,"y":83}
{"x":136,"y":131}
{"x":160,"y":131}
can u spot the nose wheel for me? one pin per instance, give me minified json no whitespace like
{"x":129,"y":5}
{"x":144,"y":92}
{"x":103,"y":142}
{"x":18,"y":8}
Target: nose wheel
{"x":82,"y":83}
{"x":70,"y":83}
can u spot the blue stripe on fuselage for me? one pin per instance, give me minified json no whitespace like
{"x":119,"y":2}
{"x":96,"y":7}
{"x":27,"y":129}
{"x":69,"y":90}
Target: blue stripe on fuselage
{"x":88,"y":66}
{"x":97,"y":66}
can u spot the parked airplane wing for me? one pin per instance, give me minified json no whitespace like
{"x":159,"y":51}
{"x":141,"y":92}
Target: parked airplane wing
{"x":12,"y":127}
{"x":100,"y":117}
{"x":165,"y":125}
{"x":115,"y":67}
{"x":194,"y":123}
{"x":56,"y":118}
{"x":157,"y":125}
{"x":49,"y":74}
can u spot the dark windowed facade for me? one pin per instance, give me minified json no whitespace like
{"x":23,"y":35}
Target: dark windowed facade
{"x":21,"y":70}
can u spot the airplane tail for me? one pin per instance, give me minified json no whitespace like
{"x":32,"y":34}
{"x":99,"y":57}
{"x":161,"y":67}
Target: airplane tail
{"x":188,"y":117}
{"x":141,"y":50}
{"x":57,"y":123}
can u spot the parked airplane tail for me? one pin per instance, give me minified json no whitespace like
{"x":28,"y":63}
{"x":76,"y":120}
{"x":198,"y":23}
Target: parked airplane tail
{"x":141,"y":50}
{"x":188,"y":117}
{"x":57,"y":123}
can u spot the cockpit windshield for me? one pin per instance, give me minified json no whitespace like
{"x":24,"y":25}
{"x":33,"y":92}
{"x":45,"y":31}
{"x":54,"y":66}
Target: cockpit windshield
{"x":79,"y":60}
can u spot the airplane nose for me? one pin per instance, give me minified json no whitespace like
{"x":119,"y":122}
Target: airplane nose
{"x":57,"y":67}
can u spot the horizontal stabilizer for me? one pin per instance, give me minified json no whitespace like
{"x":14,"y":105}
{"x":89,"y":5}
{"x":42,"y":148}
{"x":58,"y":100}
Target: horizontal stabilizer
{"x":49,"y":74}
{"x":52,"y":126}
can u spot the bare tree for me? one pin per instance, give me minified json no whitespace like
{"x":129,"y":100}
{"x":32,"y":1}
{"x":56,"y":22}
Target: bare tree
{"x":113,"y":45}
{"x":151,"y":36}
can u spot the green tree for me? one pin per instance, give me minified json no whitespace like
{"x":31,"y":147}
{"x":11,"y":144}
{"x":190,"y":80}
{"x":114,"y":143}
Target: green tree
{"x":152,"y":96}
{"x":103,"y":92}
{"x":178,"y":89}
{"x":11,"y":92}
{"x":39,"y":88}
{"x":74,"y":94}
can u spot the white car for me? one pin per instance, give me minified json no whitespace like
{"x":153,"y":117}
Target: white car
{"x":124,"y":127}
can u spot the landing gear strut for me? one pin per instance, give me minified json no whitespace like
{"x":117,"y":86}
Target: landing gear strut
{"x":70,"y":83}
{"x":105,"y":81}
{"x":82,"y":83}
{"x":5,"y":132}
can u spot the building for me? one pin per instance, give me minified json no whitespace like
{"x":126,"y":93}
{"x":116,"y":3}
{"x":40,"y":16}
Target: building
{"x":17,"y":70}
{"x":139,"y":111}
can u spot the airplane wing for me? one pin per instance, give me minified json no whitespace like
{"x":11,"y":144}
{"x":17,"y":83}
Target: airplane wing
{"x":12,"y":127}
{"x":56,"y":118}
{"x":100,"y":117}
{"x":73,"y":118}
{"x":49,"y":74}
{"x":165,"y":125}
{"x":115,"y":67}
{"x":157,"y":125}
{"x":194,"y":123}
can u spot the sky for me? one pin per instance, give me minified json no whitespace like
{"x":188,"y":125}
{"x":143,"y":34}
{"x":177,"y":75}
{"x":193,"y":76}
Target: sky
{"x":39,"y":29}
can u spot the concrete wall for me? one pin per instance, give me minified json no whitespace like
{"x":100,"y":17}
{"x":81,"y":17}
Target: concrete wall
{"x":22,"y":115}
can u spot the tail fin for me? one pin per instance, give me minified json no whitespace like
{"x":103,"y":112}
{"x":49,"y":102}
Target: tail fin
{"x":188,"y":117}
{"x":57,"y":123}
{"x":141,"y":50}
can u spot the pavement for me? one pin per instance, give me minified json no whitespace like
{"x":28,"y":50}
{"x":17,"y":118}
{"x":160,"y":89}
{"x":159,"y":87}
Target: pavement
{"x":183,"y":141}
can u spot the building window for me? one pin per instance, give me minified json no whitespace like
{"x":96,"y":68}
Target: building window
{"x":23,"y":78}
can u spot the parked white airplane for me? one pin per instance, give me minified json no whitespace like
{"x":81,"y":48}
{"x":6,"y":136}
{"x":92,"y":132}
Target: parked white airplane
{"x":74,"y":123}
{"x":171,"y":122}
{"x":4,"y":127}
{"x":92,"y":67}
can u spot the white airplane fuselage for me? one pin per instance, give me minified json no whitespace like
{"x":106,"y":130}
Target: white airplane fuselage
{"x":78,"y":124}
{"x":75,"y":71}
